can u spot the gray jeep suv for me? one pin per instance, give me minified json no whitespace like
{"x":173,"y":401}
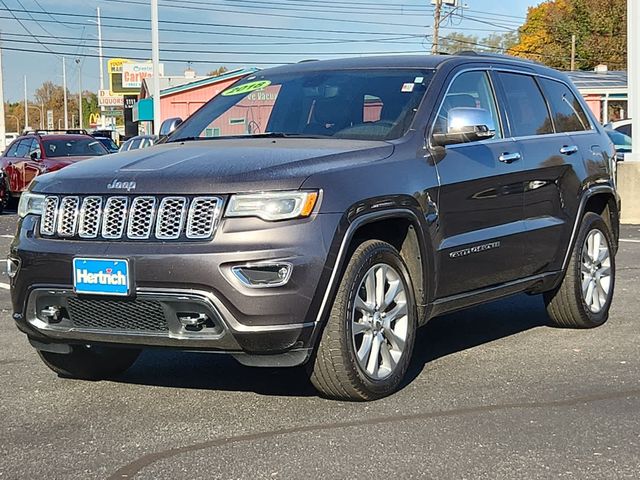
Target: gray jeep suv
{"x":317,"y":214}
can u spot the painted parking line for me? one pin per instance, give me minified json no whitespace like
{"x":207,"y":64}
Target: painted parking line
{"x":629,"y":240}
{"x":5,"y":286}
{"x":6,"y":236}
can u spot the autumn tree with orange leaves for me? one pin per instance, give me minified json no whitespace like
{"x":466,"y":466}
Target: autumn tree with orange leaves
{"x":600,"y":28}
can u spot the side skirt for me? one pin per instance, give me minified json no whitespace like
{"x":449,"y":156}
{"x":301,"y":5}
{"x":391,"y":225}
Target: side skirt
{"x":534,"y":284}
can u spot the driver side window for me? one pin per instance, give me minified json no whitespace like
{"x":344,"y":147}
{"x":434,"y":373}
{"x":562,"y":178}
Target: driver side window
{"x":468,"y":90}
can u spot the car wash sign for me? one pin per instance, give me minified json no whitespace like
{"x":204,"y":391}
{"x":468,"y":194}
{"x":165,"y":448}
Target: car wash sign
{"x":134,"y":73}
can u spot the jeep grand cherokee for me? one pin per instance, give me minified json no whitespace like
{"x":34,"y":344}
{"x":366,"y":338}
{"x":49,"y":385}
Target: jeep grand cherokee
{"x":318,"y":214}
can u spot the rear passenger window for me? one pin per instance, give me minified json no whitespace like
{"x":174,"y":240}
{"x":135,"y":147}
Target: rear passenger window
{"x":568,"y":114}
{"x":528,"y":113}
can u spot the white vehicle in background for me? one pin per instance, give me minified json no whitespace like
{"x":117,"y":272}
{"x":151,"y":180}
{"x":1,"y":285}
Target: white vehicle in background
{"x":622,"y":126}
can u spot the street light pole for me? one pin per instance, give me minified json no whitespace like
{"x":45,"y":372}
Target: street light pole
{"x":100,"y":60}
{"x":633,"y":75}
{"x":64,"y":87}
{"x":26,"y":105}
{"x":79,"y":92}
{"x":3,"y":130}
{"x":155,"y":57}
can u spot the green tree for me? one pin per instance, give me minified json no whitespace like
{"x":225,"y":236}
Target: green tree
{"x":599,"y":26}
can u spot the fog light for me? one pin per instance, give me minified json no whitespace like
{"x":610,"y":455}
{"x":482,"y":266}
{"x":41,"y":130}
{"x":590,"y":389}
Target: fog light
{"x":263,"y":275}
{"x":13,"y":265}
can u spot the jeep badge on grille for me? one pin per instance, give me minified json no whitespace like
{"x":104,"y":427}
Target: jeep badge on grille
{"x":118,"y":185}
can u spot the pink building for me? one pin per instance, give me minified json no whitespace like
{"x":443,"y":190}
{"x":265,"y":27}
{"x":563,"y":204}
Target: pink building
{"x":182,"y":96}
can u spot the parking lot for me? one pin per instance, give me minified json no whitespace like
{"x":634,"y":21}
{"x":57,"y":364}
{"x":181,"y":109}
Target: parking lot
{"x":492,"y":393}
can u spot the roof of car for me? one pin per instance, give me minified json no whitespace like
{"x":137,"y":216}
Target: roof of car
{"x":405,"y":61}
{"x":59,"y":136}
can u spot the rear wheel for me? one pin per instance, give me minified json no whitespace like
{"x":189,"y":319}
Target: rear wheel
{"x":584,"y":297}
{"x":89,"y":362}
{"x":367,"y":343}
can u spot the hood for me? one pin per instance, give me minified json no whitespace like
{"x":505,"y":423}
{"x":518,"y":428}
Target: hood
{"x":212,"y":166}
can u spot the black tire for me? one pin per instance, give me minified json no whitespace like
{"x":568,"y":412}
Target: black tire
{"x":90,"y":362}
{"x":566,"y":305}
{"x":4,"y":194}
{"x":334,"y":369}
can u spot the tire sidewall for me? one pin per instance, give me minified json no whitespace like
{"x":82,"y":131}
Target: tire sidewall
{"x":388,"y":255}
{"x":591,"y":222}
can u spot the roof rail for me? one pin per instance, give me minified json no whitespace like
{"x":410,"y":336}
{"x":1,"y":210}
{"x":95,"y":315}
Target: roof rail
{"x":69,"y":131}
{"x":474,"y":53}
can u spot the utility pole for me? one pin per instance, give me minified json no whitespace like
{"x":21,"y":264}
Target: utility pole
{"x":101,"y":60}
{"x":64,"y":94}
{"x":155,"y":57}
{"x":437,"y":18}
{"x":633,"y":74}
{"x":26,"y":105}
{"x":3,"y":129}
{"x":79,"y":91}
{"x":573,"y":53}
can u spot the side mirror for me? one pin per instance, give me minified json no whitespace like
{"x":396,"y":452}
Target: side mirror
{"x":466,"y":124}
{"x":35,"y":155}
{"x":169,"y":125}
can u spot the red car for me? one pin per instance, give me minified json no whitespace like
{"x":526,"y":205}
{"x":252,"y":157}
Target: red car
{"x":35,"y":153}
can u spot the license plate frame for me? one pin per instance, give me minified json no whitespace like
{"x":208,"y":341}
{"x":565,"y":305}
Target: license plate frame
{"x":95,"y":276}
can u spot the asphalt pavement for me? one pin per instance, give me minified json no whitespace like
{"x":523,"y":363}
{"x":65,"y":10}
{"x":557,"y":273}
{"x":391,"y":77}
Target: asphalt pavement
{"x":492,"y":393}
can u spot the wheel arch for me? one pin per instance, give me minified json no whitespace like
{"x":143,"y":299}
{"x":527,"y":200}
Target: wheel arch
{"x":401,"y":227}
{"x":602,"y":200}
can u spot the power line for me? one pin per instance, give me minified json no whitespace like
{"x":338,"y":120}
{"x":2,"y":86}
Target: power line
{"x":226,"y":52}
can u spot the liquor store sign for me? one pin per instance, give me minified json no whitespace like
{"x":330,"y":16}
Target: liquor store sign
{"x":105,"y":99}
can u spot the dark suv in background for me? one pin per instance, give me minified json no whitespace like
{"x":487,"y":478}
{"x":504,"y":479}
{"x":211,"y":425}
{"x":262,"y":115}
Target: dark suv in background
{"x":318,"y":214}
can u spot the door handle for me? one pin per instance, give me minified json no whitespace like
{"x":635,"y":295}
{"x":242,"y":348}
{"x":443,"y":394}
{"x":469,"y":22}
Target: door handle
{"x":569,"y":150}
{"x":509,"y":157}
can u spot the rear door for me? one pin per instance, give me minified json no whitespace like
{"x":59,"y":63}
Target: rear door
{"x":480,"y":201}
{"x":550,"y":156}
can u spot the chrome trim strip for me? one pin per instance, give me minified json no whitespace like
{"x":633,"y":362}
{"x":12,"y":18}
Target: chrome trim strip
{"x":498,"y":68}
{"x":270,"y":263}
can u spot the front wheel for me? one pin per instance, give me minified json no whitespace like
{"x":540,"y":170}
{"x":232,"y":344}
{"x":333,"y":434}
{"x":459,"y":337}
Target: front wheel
{"x":366,"y":346}
{"x":584,"y":297}
{"x":87,"y":362}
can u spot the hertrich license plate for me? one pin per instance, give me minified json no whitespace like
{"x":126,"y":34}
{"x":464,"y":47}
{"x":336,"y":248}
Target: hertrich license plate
{"x":99,"y":276}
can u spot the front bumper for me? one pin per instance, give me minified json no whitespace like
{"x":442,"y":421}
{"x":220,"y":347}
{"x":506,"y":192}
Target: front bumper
{"x":192,"y":277}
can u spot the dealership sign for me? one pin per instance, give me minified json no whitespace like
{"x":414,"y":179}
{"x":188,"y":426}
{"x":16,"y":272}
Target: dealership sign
{"x":134,"y":73}
{"x":105,"y":99}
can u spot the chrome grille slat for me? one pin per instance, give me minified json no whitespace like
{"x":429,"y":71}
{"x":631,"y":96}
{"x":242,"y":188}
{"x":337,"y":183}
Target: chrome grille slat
{"x":49,"y":216}
{"x":90,"y":216}
{"x":114,"y":217}
{"x":203,"y":217}
{"x":143,"y":217}
{"x":68,"y":216}
{"x":171,"y":218}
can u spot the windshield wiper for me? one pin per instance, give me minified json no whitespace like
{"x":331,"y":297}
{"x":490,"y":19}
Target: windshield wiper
{"x":251,"y":135}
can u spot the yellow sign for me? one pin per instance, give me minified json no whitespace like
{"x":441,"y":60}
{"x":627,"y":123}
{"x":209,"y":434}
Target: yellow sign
{"x":114,"y":69}
{"x":247,"y":88}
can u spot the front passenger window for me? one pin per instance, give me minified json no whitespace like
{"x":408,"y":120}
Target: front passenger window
{"x":469,"y":90}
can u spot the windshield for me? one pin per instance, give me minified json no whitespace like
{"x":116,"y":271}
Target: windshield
{"x":620,"y":140}
{"x":74,"y":147}
{"x":108,"y":144}
{"x":350,"y":104}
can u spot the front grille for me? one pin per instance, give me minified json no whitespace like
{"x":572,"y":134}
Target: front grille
{"x":135,"y":218}
{"x":134,"y":315}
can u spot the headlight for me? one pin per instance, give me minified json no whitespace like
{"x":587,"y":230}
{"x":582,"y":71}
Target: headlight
{"x":30,"y":203}
{"x":272,"y":205}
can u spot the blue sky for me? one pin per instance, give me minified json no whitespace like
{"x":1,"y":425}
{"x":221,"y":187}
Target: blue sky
{"x":255,"y":33}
